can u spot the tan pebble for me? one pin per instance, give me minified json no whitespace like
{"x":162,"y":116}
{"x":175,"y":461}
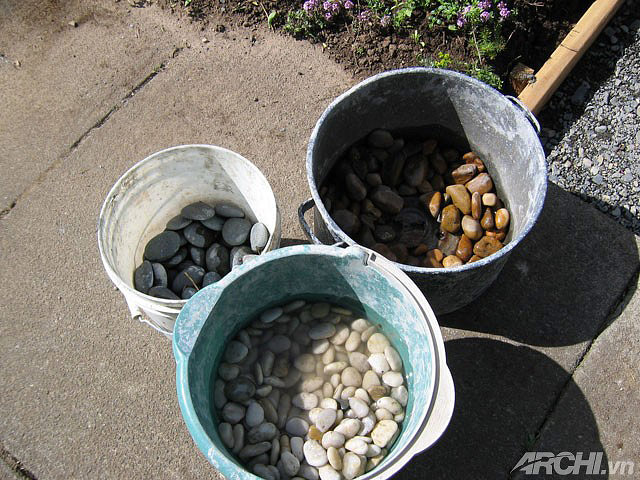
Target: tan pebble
{"x":471,"y":228}
{"x":335,"y":460}
{"x":384,"y":432}
{"x":476,"y":205}
{"x":486,"y":221}
{"x":481,"y":184}
{"x":315,"y":433}
{"x":451,"y":261}
{"x":487,"y":246}
{"x":465,"y":248}
{"x":400,"y":251}
{"x":377,"y":392}
{"x":502,"y":219}
{"x":327,"y":389}
{"x":460,"y":197}
{"x":489,"y":199}
{"x":450,"y":219}
{"x":432,"y":201}
{"x":464,"y":173}
{"x":369,"y":380}
{"x":473,"y":158}
{"x":420,"y":249}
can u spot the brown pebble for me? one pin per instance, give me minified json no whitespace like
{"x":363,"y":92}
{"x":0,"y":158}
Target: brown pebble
{"x":437,"y":182}
{"x":392,"y":169}
{"x":425,"y":187}
{"x":420,"y":250}
{"x":451,"y":261}
{"x":436,"y":254}
{"x":475,"y":258}
{"x":496,"y":234}
{"x":438,"y":162}
{"x":502,"y":219}
{"x":433,"y":202}
{"x":387,"y":200}
{"x":471,"y":227}
{"x":450,"y":219}
{"x":451,"y":155}
{"x":487,"y":220}
{"x":433,"y":259}
{"x":347,"y":221}
{"x":374,"y":179}
{"x":413,"y":261}
{"x":385,"y":251}
{"x":448,"y":243}
{"x":472,"y":158}
{"x":465,"y":248}
{"x":476,"y":205}
{"x":400,"y":251}
{"x":429,"y":146}
{"x":355,"y":188}
{"x":481,"y":184}
{"x":487,"y":246}
{"x":464,"y":173}
{"x":315,"y":433}
{"x":377,"y":392}
{"x":415,"y":170}
{"x":489,"y":199}
{"x":367,"y":206}
{"x":460,"y":198}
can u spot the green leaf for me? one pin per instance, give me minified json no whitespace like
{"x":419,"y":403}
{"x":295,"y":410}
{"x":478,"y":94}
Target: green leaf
{"x":272,"y":16}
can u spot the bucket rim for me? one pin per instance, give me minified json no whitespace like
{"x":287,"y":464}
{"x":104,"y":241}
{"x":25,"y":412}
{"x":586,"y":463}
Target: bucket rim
{"x":340,"y":235}
{"x":171,"y":305}
{"x":183,"y":348}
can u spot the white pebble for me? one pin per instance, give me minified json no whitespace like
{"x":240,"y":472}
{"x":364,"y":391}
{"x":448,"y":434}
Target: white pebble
{"x":359,"y":361}
{"x":315,"y":455}
{"x":379,"y":363}
{"x":373,"y":451}
{"x":335,"y":380}
{"x":335,"y":367}
{"x":383,"y":414}
{"x":327,"y":472}
{"x":327,"y":389}
{"x":329,"y":356}
{"x":393,"y":379}
{"x":325,"y":419}
{"x":312,"y":384}
{"x":353,"y":341}
{"x":368,"y":332}
{"x":349,"y":427}
{"x":335,"y":460}
{"x":351,"y":465}
{"x":393,"y":357}
{"x":333,"y":439}
{"x":400,"y":394}
{"x":356,"y":445}
{"x":390,"y":404}
{"x":368,"y":423}
{"x":329,"y":403}
{"x":305,"y":401}
{"x":320,"y":346}
{"x":360,"y":325}
{"x":370,"y":379}
{"x":341,"y":335}
{"x":351,"y":377}
{"x":384,"y":432}
{"x":362,"y":394}
{"x":360,"y":408}
{"x":377,"y":343}
{"x":306,"y":363}
{"x":322,"y":331}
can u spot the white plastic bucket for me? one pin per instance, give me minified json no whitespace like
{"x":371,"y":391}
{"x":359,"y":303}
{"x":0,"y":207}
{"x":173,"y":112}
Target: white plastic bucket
{"x":153,"y":191}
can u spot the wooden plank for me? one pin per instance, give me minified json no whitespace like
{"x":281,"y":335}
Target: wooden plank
{"x":565,"y":57}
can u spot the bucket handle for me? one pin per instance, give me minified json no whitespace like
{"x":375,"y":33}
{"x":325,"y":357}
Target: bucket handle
{"x":527,"y":113}
{"x":302,"y":209}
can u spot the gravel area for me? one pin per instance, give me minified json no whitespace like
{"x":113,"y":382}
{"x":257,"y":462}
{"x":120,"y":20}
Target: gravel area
{"x":591,"y":127}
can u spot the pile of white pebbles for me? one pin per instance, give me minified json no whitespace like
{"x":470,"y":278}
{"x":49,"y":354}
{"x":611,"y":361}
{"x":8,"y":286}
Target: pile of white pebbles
{"x":310,"y":390}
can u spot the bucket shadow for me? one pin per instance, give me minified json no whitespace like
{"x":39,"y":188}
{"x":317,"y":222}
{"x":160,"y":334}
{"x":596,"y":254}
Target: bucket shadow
{"x":561,"y":283}
{"x":503,"y":396}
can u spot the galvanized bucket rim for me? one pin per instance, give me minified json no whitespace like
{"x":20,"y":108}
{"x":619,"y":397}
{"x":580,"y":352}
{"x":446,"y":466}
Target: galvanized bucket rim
{"x":342,"y":236}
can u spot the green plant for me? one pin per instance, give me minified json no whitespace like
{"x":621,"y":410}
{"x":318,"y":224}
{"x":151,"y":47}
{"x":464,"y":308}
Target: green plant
{"x":300,"y":24}
{"x":444,"y":60}
{"x":485,"y":74}
{"x":271,"y":18}
{"x":187,"y":2}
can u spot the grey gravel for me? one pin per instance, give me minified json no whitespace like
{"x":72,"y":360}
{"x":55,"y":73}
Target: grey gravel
{"x":592,"y":124}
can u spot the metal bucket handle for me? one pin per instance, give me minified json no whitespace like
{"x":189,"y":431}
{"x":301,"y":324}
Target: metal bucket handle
{"x":527,"y":113}
{"x":304,"y":208}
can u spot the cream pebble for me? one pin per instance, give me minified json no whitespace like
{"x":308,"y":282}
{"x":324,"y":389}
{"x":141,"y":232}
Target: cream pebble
{"x":393,"y":358}
{"x":349,"y":427}
{"x":353,"y":341}
{"x":335,"y":460}
{"x":356,"y":445}
{"x":351,"y":465}
{"x":379,"y":363}
{"x":329,"y":356}
{"x":325,"y":419}
{"x":392,"y":379}
{"x":359,"y":361}
{"x":341,"y":335}
{"x":351,"y":377}
{"x":306,"y":363}
{"x":390,"y":404}
{"x":327,"y":472}
{"x":305,"y":401}
{"x":368,"y":333}
{"x":360,"y":325}
{"x":333,"y":439}
{"x":311,"y":384}
{"x":370,"y":379}
{"x":335,"y":367}
{"x":384,"y":432}
{"x":314,"y":454}
{"x":377,"y":343}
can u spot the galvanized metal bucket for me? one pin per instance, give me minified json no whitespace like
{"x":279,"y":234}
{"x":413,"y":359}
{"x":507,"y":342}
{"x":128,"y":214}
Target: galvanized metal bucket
{"x":499,"y":128}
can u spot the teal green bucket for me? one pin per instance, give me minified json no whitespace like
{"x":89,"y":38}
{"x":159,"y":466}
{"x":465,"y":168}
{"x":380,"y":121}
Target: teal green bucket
{"x":355,"y":278}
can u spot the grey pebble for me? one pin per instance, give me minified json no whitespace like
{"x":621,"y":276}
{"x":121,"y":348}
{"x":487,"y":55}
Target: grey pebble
{"x":188,"y":292}
{"x":163,"y":292}
{"x":259,"y":236}
{"x":214,"y":223}
{"x":197,"y":255}
{"x":178,"y":223}
{"x":198,"y":235}
{"x":178,"y":258}
{"x":229,"y":211}
{"x":209,"y":278}
{"x":237,"y":254}
{"x":235,"y":231}
{"x":240,"y":390}
{"x":160,"y":278}
{"x":162,"y":247}
{"x":187,"y":278}
{"x":143,"y":277}
{"x":217,"y":259}
{"x":198,"y":211}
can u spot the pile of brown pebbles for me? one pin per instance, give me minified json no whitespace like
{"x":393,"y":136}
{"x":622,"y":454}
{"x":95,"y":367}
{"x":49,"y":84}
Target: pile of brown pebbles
{"x":416,"y":201}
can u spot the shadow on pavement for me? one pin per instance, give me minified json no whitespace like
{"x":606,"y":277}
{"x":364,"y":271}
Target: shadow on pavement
{"x":561,"y":283}
{"x":502,"y":393}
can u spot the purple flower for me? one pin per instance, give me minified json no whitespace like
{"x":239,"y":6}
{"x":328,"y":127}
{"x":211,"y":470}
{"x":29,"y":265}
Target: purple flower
{"x":328,"y":15}
{"x":484,"y":16}
{"x":364,"y":15}
{"x":385,"y":21}
{"x":348,"y":4}
{"x":466,"y":10}
{"x":461,"y":21}
{"x":501,"y":5}
{"x":326,"y":5}
{"x":505,"y":12}
{"x":484,"y":5}
{"x":335,"y":7}
{"x":309,"y":5}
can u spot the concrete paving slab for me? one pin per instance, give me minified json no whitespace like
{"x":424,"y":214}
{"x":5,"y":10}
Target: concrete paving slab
{"x":87,"y":392}
{"x":609,"y":380}
{"x":68,"y":77}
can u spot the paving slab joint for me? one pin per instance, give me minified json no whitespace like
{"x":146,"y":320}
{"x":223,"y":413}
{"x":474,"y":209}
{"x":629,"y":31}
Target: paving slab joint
{"x":615,"y":311}
{"x":15,"y":465}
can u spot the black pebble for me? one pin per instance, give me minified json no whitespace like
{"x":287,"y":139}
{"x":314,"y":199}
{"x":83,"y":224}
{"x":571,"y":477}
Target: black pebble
{"x":198,"y":235}
{"x":177,"y":258}
{"x":197,"y":255}
{"x":188,"y":292}
{"x":198,"y":211}
{"x":185,"y":277}
{"x":163,"y":292}
{"x":159,"y":275}
{"x":162,"y":247}
{"x":143,"y":277}
{"x":209,"y":278}
{"x":178,"y":222}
